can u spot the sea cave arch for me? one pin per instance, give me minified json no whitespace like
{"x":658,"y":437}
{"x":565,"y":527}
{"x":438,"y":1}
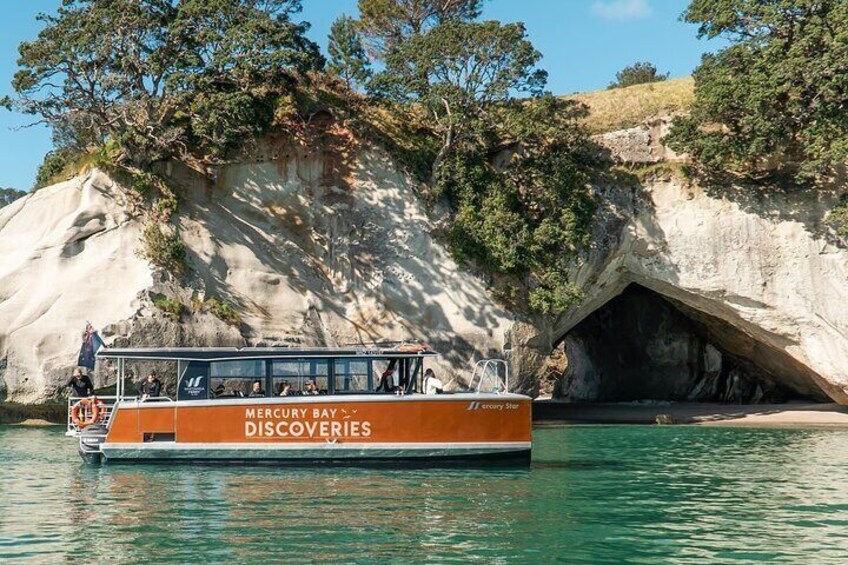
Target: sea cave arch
{"x":643,"y":345}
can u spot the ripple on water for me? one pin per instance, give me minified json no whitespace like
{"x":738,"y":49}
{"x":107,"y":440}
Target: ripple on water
{"x":593,"y":494}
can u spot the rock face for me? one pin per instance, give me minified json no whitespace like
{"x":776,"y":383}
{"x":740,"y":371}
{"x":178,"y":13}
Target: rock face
{"x":642,"y":144}
{"x":310,"y":247}
{"x":66,"y":256}
{"x":316,"y":246}
{"x":757,"y":268}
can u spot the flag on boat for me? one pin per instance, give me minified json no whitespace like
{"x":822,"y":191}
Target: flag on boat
{"x":91,"y":342}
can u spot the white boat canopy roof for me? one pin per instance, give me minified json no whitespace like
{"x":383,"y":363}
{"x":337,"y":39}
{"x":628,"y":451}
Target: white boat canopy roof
{"x":237,"y":353}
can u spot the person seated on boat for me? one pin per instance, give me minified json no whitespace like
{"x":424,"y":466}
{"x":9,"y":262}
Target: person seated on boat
{"x":219,"y":390}
{"x":257,"y":391}
{"x":432,"y":385}
{"x":285,"y":389}
{"x":81,"y":384}
{"x":310,"y":389}
{"x":387,"y":381}
{"x":150,"y":387}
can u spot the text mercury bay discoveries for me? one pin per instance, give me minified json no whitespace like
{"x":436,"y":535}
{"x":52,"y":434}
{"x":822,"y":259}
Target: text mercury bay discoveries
{"x":293,"y":422}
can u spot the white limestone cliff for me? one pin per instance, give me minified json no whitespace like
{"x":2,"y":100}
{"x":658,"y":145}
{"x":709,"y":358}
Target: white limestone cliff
{"x":310,"y":248}
{"x":316,"y":248}
{"x":757,"y":266}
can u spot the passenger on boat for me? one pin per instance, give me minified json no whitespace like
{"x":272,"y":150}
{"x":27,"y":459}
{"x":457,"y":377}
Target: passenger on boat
{"x":151,"y":387}
{"x":81,"y":384}
{"x":432,"y":385}
{"x":285,"y":389}
{"x":310,"y":388}
{"x":257,"y":391}
{"x":387,"y":381}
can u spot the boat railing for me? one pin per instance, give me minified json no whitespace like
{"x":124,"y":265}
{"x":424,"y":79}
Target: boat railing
{"x":107,"y":407}
{"x":490,"y":375}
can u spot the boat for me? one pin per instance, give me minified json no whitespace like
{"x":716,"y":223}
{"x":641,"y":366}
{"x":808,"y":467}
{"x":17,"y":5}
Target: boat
{"x":301,"y":406}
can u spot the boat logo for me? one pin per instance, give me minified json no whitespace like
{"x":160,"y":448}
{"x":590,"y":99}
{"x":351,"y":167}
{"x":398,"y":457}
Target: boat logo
{"x":475,"y":405}
{"x":194,"y":383}
{"x":194,"y":387}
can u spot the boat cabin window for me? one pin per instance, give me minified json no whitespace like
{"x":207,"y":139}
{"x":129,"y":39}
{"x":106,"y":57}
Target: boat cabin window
{"x":308,"y":375}
{"x":352,"y":375}
{"x":234,"y":379}
{"x":292,"y":377}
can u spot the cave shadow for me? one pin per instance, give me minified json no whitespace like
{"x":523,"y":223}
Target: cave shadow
{"x":642,"y":346}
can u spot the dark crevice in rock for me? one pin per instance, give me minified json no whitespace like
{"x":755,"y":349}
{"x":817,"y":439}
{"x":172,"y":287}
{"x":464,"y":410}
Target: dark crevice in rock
{"x":643,"y":346}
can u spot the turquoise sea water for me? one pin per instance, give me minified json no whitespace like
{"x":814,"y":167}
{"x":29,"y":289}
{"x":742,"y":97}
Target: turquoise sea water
{"x":602,"y":494}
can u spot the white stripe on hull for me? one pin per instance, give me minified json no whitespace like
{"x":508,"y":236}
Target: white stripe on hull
{"x":292,"y":451}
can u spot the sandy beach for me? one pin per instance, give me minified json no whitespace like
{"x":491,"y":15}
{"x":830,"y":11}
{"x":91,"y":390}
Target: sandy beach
{"x":787,"y":414}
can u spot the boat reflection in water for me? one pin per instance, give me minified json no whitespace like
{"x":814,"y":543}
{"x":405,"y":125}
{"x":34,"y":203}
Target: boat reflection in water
{"x":285,"y":405}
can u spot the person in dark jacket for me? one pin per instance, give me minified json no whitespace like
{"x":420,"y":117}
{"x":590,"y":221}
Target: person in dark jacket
{"x":257,"y":391}
{"x":150,"y":387}
{"x":387,"y":381}
{"x":81,"y":384}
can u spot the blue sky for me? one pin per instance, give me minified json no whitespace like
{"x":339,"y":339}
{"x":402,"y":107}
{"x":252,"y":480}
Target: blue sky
{"x":584,"y":43}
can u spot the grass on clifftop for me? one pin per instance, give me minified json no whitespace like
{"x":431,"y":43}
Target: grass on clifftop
{"x":621,"y":108}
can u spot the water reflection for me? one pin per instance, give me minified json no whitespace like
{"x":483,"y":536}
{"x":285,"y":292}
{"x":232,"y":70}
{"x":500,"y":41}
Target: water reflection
{"x":593,"y":494}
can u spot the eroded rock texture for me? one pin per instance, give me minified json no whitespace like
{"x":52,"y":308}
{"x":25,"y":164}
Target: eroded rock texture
{"x":313,"y":247}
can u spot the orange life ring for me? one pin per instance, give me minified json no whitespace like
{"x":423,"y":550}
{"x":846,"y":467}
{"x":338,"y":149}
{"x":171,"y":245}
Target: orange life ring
{"x":92,"y":415}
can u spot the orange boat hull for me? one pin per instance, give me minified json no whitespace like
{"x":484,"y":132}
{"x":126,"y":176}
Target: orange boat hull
{"x":352,"y":428}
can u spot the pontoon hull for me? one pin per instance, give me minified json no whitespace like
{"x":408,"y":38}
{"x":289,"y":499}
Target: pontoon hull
{"x":304,"y":455}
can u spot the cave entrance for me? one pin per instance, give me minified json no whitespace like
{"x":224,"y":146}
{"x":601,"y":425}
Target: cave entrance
{"x":644,"y":346}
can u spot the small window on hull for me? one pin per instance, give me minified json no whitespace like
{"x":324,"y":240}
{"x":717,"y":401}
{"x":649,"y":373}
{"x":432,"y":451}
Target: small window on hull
{"x":157,"y":436}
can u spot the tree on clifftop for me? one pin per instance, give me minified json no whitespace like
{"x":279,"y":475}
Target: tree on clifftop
{"x":778,"y":93}
{"x":162,"y":78}
{"x":388,"y":23}
{"x":458,"y":71}
{"x":347,"y":55}
{"x":641,"y":72}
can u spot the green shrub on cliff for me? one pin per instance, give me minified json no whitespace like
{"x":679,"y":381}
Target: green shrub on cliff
{"x":171,"y":306}
{"x":776,"y":97}
{"x":523,"y":221}
{"x":838,"y":217}
{"x":56,"y":164}
{"x":163,"y":248}
{"x":224,"y":311}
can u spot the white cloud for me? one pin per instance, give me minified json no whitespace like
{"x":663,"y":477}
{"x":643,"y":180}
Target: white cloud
{"x":621,"y":9}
